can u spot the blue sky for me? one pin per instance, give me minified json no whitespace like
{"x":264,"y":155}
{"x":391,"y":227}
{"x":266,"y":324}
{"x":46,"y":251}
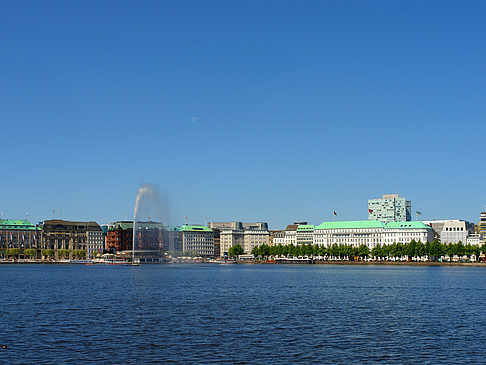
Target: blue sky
{"x":242,"y":110}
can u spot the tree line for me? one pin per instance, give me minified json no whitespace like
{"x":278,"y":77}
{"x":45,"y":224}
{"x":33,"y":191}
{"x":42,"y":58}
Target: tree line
{"x":414,"y":248}
{"x":48,"y":253}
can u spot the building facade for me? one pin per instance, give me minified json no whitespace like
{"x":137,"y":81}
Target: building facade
{"x":277,"y":238}
{"x":247,"y":235}
{"x":21,"y":234}
{"x":291,"y":234}
{"x":67,"y":235}
{"x":197,"y":240}
{"x":390,"y":208}
{"x":119,"y":236}
{"x":454,"y":232}
{"x":305,"y":234}
{"x":95,"y":242}
{"x":371,"y":233}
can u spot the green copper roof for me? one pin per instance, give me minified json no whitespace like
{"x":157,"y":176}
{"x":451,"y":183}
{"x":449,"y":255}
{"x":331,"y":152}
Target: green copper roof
{"x":305,"y":227}
{"x":350,"y":225}
{"x":406,"y":225}
{"x":122,"y":224}
{"x":18,"y":224}
{"x":186,"y":228}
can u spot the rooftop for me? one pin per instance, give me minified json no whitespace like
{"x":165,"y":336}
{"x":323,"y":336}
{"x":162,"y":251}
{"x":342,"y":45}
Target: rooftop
{"x":187,"y":228}
{"x":305,"y":227}
{"x":18,"y":224}
{"x":406,"y":225}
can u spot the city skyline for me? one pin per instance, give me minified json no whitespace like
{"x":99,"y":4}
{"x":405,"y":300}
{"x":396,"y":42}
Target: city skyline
{"x":242,"y":111}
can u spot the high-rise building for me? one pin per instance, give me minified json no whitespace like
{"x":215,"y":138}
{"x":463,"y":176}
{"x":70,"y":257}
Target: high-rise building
{"x":390,"y":208}
{"x":481,"y":228}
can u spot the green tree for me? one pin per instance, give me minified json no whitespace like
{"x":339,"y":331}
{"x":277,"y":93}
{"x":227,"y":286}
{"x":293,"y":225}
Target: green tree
{"x":236,"y":251}
{"x":30,"y":252}
{"x":12,"y":252}
{"x":79,"y":254}
{"x":419,"y":249}
{"x":363,"y":251}
{"x":435,"y":250}
{"x":255,"y":252}
{"x":48,"y":253}
{"x":63,"y":253}
{"x":377,"y":251}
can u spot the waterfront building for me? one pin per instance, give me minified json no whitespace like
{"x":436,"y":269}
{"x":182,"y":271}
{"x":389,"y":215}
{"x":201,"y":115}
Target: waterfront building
{"x":454,"y":232}
{"x":371,"y":233}
{"x":291,"y":234}
{"x":247,"y":235}
{"x":174,"y":235}
{"x":352,"y":233}
{"x":119,"y":236}
{"x":197,"y":240}
{"x":474,"y":239}
{"x":451,"y":230}
{"x":95,"y":242}
{"x":21,"y":234}
{"x":60,"y":234}
{"x":405,"y":232}
{"x":304,"y":234}
{"x":390,"y":208}
{"x":277,"y":237}
{"x":150,"y":236}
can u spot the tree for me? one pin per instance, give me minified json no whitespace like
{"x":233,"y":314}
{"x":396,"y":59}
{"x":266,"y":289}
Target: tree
{"x":363,"y":251}
{"x":12,"y":252}
{"x":48,"y":253}
{"x":435,"y":249}
{"x":236,"y":251}
{"x":79,"y":254}
{"x":30,"y":252}
{"x":63,"y":253}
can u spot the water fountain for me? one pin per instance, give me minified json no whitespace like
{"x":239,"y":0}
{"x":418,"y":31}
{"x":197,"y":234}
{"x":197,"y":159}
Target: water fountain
{"x":147,"y":204}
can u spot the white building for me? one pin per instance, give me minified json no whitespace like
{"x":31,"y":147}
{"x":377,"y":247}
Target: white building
{"x":371,"y":233}
{"x":197,"y":240}
{"x":304,"y":234}
{"x":277,"y":238}
{"x":405,"y":232}
{"x":95,"y":243}
{"x":291,"y":234}
{"x":353,"y":233}
{"x":247,"y":235}
{"x":453,"y":232}
{"x":474,"y":239}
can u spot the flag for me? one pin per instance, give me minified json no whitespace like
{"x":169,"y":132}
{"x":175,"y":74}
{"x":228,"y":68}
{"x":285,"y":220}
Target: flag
{"x":418,"y":213}
{"x":186,"y":217}
{"x":370,"y":211}
{"x":335,"y":213}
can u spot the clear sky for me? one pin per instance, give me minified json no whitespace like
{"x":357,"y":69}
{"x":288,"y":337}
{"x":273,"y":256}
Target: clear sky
{"x":242,"y":110}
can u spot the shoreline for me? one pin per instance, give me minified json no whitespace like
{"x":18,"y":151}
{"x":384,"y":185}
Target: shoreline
{"x":356,"y":263}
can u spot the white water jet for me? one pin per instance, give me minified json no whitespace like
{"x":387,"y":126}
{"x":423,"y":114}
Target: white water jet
{"x":150,"y":194}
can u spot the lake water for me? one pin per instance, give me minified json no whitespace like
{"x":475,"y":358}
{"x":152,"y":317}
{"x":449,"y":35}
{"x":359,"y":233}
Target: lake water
{"x":242,"y":314}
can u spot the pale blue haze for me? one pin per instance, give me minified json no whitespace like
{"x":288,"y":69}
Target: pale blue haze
{"x":242,"y":110}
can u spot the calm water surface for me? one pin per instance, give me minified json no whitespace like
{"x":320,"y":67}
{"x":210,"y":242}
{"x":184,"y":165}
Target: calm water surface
{"x":242,"y":314}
